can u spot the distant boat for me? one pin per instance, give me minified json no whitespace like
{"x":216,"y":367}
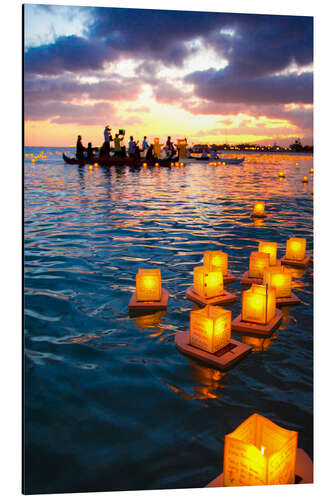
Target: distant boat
{"x":227,"y":161}
{"x":120,"y":162}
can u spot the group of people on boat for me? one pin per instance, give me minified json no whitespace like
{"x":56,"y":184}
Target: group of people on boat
{"x":212,"y":155}
{"x":134,"y":151}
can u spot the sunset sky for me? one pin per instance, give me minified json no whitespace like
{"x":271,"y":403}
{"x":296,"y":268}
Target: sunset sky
{"x":210,"y":77}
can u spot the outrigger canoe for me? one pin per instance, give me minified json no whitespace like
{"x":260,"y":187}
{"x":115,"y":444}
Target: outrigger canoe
{"x":120,"y":162}
{"x":227,"y":161}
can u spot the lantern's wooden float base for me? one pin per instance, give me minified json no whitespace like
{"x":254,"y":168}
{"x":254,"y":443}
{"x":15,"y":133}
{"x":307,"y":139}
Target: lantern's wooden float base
{"x":295,"y":263}
{"x":223,"y":359}
{"x":292,"y":300}
{"x":230,"y":278}
{"x":140,"y":305}
{"x":237,"y":325}
{"x":226,"y":298}
{"x":254,"y":216}
{"x":303,"y":471}
{"x":246,"y":280}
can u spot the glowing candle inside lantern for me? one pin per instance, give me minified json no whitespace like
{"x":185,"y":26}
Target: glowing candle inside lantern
{"x":269,"y":247}
{"x":259,"y":452}
{"x":296,"y":248}
{"x":258,"y":263}
{"x":259,"y":304}
{"x":259,"y":208}
{"x":216,"y":260}
{"x":305,"y":178}
{"x":210,"y":328}
{"x":280,"y":278}
{"x":207,"y":283}
{"x":148,"y":285}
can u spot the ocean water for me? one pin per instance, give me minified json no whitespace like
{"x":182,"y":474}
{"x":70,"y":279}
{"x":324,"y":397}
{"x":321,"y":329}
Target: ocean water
{"x":110,"y":404}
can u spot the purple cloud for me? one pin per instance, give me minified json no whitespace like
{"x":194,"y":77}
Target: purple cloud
{"x":221,"y":86}
{"x":67,"y":53}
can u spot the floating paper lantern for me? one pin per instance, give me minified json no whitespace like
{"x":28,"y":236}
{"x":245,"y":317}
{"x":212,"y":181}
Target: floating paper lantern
{"x":258,"y":304}
{"x":172,"y":164}
{"x":259,"y":452}
{"x":296,"y":249}
{"x":258,"y":263}
{"x":216,"y":260}
{"x":305,"y":178}
{"x":182,"y":164}
{"x":144,"y":165}
{"x":296,"y":164}
{"x":280,"y":278}
{"x":207,"y":283}
{"x":269,"y":247}
{"x":223,"y":163}
{"x":157,"y":164}
{"x":95,"y":164}
{"x":259,"y":209}
{"x":148,"y":285}
{"x":210,"y":328}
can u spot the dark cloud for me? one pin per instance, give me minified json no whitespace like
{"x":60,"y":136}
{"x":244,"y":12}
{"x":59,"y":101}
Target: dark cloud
{"x":221,"y":86}
{"x":153,"y":34}
{"x":67,"y":53}
{"x":263,"y":45}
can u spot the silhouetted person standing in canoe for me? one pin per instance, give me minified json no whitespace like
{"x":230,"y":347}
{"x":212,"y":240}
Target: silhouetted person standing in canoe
{"x":131,"y":147}
{"x":80,"y":149}
{"x":90,"y":153}
{"x":107,"y":139}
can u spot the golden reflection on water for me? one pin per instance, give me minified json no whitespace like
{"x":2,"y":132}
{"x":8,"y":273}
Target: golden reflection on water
{"x":286,"y":317}
{"x":259,"y":344}
{"x":298,"y":273}
{"x":151,"y":320}
{"x":203,"y":192}
{"x":258,"y":222}
{"x":207,"y":382}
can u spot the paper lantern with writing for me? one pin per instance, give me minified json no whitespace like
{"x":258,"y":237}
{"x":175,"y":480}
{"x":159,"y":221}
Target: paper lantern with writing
{"x":148,"y":285}
{"x":210,"y":328}
{"x":259,"y":453}
{"x":280,"y":278}
{"x":259,"y":304}
{"x":269,"y":247}
{"x":216,"y":260}
{"x":258,"y":263}
{"x":296,"y":248}
{"x":207,"y":283}
{"x":259,"y":209}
